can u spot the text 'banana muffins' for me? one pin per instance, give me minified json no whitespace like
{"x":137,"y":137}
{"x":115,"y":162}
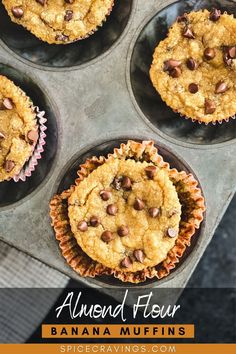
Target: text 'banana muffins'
{"x":194,"y":68}
{"x":59,"y":21}
{"x":18,"y":129}
{"x":128,"y":215}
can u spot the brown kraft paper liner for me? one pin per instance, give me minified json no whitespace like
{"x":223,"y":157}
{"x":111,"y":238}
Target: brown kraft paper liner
{"x":190,"y":197}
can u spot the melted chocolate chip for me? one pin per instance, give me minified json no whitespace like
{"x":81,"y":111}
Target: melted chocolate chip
{"x":83,"y":226}
{"x":188,"y":33}
{"x":154,"y":212}
{"x":112,"y":209}
{"x":107,"y":236}
{"x":9,"y":165}
{"x":172,"y":232}
{"x":150,"y":171}
{"x":2,"y":136}
{"x":139,"y":204}
{"x":232,"y":52}
{"x":17,"y":11}
{"x":41,"y":2}
{"x":209,"y":53}
{"x":126,"y":262}
{"x":215,"y":15}
{"x":33,"y":136}
{"x":69,"y":15}
{"x":210,"y":106}
{"x":171,"y":64}
{"x":116,"y":184}
{"x":221,"y":87}
{"x":139,"y":255}
{"x":69,"y":1}
{"x":126,"y":183}
{"x":105,"y":195}
{"x":175,"y":73}
{"x":193,"y":88}
{"x":191,"y":64}
{"x":7,"y":103}
{"x":123,"y":230}
{"x":94,"y":221}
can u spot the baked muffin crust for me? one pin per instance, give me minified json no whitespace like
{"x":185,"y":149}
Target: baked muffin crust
{"x":124,"y":216}
{"x":194,"y":68}
{"x":18,"y":129}
{"x":59,"y":21}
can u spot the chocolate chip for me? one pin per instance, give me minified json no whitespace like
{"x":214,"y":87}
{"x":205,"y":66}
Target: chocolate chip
{"x":150,"y":171}
{"x":61,"y":37}
{"x":232,"y":52}
{"x":215,"y":15}
{"x":126,"y":262}
{"x":139,"y":255}
{"x":116,"y":184}
{"x":9,"y":165}
{"x":172,"y":232}
{"x":209,"y":53}
{"x":105,"y":195}
{"x":228,"y":61}
{"x":171,"y":64}
{"x":7,"y":103}
{"x":83,"y":226}
{"x":210,"y":106}
{"x":193,"y":88}
{"x":33,"y":136}
{"x":123,"y":231}
{"x":221,"y":87}
{"x":191,"y":64}
{"x":69,"y":1}
{"x":41,"y":2}
{"x":154,"y":212}
{"x":139,"y":204}
{"x":17,"y":11}
{"x":112,"y":209}
{"x":176,"y":72}
{"x":69,"y":15}
{"x":2,"y":136}
{"x":182,"y":18}
{"x":107,"y":236}
{"x":94,"y":221}
{"x":126,"y":182}
{"x":188,"y":33}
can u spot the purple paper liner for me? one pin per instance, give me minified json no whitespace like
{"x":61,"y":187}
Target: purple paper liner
{"x":30,"y":165}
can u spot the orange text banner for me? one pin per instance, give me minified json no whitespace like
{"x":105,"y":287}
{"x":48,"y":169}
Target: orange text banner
{"x":117,"y":348}
{"x":118,"y":331}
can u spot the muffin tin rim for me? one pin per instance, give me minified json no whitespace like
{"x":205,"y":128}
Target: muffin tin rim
{"x":96,"y":282}
{"x":176,"y":141}
{"x":47,"y":68}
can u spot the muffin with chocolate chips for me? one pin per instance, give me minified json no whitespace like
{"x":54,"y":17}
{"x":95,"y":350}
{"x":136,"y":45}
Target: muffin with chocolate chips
{"x":61,"y":21}
{"x":128,"y":215}
{"x":18,"y":129}
{"x":194,"y":68}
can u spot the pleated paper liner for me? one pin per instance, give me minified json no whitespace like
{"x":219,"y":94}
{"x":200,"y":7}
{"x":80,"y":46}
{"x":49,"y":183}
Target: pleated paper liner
{"x":225,"y":120}
{"x":190,"y":197}
{"x":37,"y":148}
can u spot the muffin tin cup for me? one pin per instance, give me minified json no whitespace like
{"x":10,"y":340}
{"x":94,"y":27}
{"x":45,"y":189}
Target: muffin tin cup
{"x":149,"y":104}
{"x":67,"y":56}
{"x":31,"y":164}
{"x":85,"y":163}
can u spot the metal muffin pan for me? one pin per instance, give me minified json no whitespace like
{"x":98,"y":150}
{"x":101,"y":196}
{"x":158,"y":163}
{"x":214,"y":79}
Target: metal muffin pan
{"x":91,"y":106}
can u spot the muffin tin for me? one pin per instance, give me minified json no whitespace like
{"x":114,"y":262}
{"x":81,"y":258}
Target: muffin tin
{"x":96,"y":94}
